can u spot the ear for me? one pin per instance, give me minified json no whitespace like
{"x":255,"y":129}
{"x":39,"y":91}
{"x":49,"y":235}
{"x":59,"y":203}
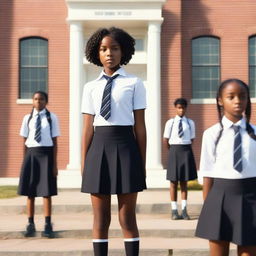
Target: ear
{"x":220,"y":102}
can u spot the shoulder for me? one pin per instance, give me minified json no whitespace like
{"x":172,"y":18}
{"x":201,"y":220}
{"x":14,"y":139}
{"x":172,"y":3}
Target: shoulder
{"x":132,"y":78}
{"x":253,"y":127}
{"x":26,"y":117}
{"x":170,"y":121}
{"x":212,"y":131}
{"x":190,"y":121}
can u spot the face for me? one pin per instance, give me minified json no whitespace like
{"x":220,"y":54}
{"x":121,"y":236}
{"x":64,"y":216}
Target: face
{"x":234,"y":101}
{"x":110,"y":54}
{"x":39,"y":101}
{"x":180,"y":109}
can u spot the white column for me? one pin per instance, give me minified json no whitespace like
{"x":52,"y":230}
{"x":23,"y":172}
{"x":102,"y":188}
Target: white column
{"x":75,"y":90}
{"x":153,"y":112}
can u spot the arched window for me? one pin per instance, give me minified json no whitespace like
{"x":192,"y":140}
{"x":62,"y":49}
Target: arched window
{"x":252,"y":66}
{"x":205,"y":66}
{"x":33,"y":66}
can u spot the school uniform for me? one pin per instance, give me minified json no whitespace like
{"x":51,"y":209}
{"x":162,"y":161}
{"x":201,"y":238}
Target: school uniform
{"x":36,"y":178}
{"x":181,"y":163}
{"x":113,"y":163}
{"x":229,"y":211}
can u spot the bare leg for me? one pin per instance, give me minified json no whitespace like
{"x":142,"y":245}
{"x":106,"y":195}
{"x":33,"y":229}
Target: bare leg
{"x":30,"y":206}
{"x":219,"y":248}
{"x":184,"y":190}
{"x":101,"y":215}
{"x":173,"y":190}
{"x":127,"y":219}
{"x":47,"y":206}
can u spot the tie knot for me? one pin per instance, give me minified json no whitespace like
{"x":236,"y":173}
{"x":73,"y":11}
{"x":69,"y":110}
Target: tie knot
{"x":111,"y":78}
{"x":236,"y":128}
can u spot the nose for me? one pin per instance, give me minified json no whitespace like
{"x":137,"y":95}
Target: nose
{"x":109,"y":52}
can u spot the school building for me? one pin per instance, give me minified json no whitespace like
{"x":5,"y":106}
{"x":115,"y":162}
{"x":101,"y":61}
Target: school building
{"x":183,"y":48}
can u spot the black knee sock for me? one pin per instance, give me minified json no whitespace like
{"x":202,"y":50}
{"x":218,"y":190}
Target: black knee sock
{"x":100,"y":247}
{"x":31,"y":220}
{"x":132,"y":246}
{"x":48,"y":220}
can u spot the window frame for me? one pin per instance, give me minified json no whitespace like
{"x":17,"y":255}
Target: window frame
{"x":23,"y":100}
{"x":203,"y":100}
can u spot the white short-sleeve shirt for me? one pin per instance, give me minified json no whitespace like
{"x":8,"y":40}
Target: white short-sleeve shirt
{"x":128,"y":93}
{"x":28,"y":130}
{"x":171,"y":130}
{"x":220,"y":165}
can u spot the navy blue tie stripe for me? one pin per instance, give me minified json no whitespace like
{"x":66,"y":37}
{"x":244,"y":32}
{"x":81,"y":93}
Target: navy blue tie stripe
{"x":105,"y":110}
{"x":38,"y":129}
{"x":180,"y":132}
{"x":237,"y":162}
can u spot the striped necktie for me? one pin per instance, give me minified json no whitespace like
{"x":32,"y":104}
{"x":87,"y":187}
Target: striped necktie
{"x":105,"y":110}
{"x":237,"y":162}
{"x":180,"y":132}
{"x":38,"y":129}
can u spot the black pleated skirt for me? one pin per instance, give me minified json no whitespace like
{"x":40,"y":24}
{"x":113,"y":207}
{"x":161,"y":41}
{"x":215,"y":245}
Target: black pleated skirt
{"x":36,"y":178}
{"x":181,"y":163}
{"x":113,"y":164}
{"x":229,"y":212}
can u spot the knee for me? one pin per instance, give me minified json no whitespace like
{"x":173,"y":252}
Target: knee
{"x":128,"y":221}
{"x":102,"y":221}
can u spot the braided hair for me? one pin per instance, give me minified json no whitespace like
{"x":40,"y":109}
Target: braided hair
{"x":249,"y":128}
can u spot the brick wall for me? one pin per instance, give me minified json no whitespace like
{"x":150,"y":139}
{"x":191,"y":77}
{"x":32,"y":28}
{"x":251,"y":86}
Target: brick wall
{"x":233,"y":22}
{"x":19,"y":19}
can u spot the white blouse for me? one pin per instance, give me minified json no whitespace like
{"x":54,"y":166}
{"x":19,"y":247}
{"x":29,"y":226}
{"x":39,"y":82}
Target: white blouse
{"x":220,"y":165}
{"x":172,"y":128}
{"x":28,"y":131}
{"x":128,"y":93}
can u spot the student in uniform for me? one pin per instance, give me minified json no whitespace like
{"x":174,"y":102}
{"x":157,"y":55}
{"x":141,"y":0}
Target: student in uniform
{"x":39,"y":170}
{"x":228,"y":165}
{"x":114,"y":138}
{"x":179,"y":134}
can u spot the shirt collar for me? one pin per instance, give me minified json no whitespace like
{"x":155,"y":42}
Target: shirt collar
{"x":120,"y":72}
{"x":180,"y":118}
{"x":35,"y":112}
{"x":227,"y":123}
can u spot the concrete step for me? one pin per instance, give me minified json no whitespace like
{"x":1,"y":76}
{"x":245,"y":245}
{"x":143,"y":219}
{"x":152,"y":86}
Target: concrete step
{"x":79,"y":225}
{"x":73,"y":201}
{"x":79,"y":247}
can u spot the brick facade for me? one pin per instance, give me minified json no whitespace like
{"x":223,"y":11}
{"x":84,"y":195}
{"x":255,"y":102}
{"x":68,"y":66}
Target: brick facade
{"x":232,"y":22}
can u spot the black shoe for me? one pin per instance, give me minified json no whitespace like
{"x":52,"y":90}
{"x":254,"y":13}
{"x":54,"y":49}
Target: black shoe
{"x":184,"y":214}
{"x":30,"y":230}
{"x":175,"y":215}
{"x":48,"y":231}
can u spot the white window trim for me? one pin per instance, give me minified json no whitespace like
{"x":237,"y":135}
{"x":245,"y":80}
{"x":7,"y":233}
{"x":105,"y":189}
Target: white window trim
{"x":203,"y":101}
{"x":24,"y":101}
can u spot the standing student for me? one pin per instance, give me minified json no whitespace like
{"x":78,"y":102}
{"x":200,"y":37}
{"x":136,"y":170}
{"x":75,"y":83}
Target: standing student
{"x":114,"y":138}
{"x":39,"y":170}
{"x":179,"y":133}
{"x":228,"y":165}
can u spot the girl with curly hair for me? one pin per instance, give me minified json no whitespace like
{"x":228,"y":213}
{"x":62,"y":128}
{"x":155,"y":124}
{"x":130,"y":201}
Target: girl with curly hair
{"x":114,"y":138}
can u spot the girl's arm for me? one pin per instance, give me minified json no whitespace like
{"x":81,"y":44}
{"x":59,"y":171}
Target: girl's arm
{"x":24,"y":147}
{"x":55,"y":150}
{"x":141,"y":134}
{"x":87,"y":135}
{"x":207,"y":186}
{"x":166,"y":143}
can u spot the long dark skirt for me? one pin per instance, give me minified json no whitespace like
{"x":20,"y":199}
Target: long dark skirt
{"x":181,"y":163}
{"x":113,"y":164}
{"x":36,"y":178}
{"x":229,"y":212}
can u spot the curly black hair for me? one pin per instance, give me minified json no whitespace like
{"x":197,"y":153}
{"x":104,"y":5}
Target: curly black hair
{"x":125,"y":41}
{"x":181,"y":101}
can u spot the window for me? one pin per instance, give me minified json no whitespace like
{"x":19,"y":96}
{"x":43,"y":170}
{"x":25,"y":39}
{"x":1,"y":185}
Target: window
{"x":33,"y":66}
{"x":252,"y":66}
{"x":205,"y":67}
{"x":139,"y":44}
